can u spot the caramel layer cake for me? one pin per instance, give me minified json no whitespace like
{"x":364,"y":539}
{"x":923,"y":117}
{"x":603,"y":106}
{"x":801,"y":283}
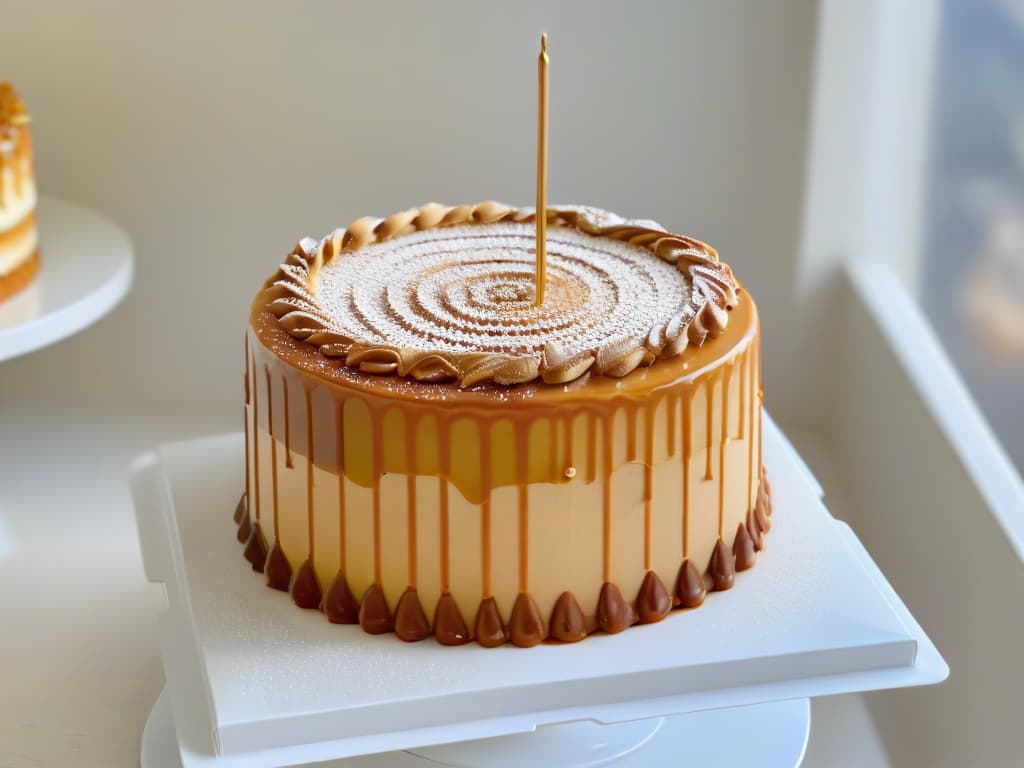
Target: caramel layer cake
{"x":429,"y":453}
{"x":19,"y":247}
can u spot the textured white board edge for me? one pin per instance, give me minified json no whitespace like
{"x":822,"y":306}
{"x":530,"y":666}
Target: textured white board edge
{"x":775,"y":736}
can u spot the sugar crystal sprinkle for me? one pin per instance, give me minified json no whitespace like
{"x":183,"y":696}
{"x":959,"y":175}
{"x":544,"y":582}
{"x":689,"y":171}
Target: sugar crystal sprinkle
{"x":468,"y":289}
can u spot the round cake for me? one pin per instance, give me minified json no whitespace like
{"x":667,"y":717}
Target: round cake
{"x":429,"y":452}
{"x":19,"y":248}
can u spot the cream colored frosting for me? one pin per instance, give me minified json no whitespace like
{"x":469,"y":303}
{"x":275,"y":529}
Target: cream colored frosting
{"x":15,"y":203}
{"x":16,"y":252}
{"x":440,"y":294}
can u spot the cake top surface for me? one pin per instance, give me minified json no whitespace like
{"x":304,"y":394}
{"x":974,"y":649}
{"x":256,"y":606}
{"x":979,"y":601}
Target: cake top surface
{"x":443,"y":294}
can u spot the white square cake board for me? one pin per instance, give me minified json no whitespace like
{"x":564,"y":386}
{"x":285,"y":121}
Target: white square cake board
{"x":255,"y":681}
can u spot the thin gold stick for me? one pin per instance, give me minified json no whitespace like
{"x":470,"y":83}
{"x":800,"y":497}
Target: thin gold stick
{"x":542,"y":169}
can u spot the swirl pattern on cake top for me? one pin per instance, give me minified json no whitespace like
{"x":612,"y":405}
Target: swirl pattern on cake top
{"x":446,"y":294}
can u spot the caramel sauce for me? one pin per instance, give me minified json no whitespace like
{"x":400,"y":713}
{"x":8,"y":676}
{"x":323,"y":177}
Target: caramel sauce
{"x":709,"y":391}
{"x":743,"y":550}
{"x":287,"y":426}
{"x":309,"y":469}
{"x":648,"y":482}
{"x":750,"y":442}
{"x":277,"y":569}
{"x":653,"y":601}
{"x":607,"y":468}
{"x":488,"y":629}
{"x":568,"y":624}
{"x":411,"y":624}
{"x":449,"y":626}
{"x":340,"y":458}
{"x":672,"y":404}
{"x":522,"y":485}
{"x":378,"y":465}
{"x":339,"y":604}
{"x":613,"y":612}
{"x":304,"y":587}
{"x":690,"y":589}
{"x":526,"y":627}
{"x":485,"y":507}
{"x":255,"y":438}
{"x":723,"y":441}
{"x":722,"y":568}
{"x":374,"y":615}
{"x":684,"y":457}
{"x":273,"y":455}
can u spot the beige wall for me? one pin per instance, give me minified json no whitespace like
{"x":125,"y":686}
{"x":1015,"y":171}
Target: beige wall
{"x":218,"y":133}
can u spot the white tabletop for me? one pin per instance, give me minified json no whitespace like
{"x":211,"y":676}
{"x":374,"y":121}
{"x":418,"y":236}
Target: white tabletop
{"x":79,"y":656}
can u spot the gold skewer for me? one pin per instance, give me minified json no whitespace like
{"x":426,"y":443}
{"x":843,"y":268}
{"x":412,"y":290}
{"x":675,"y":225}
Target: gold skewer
{"x":542,"y":168}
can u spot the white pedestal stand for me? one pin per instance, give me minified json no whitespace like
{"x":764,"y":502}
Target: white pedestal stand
{"x":86,"y":270}
{"x":253,"y":681}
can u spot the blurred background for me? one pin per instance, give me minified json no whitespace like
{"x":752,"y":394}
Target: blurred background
{"x":218,"y":134}
{"x":799,"y":137}
{"x":973,"y":281}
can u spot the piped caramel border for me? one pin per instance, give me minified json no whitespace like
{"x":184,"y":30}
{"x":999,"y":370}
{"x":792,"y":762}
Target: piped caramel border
{"x":290,"y":295}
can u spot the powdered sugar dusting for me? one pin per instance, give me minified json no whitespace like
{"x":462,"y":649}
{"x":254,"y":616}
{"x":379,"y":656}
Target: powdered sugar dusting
{"x":466,"y":289}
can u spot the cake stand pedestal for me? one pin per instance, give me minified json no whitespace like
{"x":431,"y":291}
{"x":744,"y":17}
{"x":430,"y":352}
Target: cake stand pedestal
{"x":254,"y":681}
{"x":771,"y":735}
{"x":86,"y":270}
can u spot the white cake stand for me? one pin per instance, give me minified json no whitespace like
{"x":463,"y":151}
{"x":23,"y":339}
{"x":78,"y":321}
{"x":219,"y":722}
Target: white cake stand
{"x":253,"y":681}
{"x":86,"y":270}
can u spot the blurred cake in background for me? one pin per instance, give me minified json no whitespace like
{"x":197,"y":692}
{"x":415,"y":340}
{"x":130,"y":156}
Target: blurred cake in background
{"x":19,"y":246}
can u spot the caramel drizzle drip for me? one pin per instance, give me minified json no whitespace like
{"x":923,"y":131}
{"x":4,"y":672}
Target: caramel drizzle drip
{"x":287,"y":428}
{"x":273,"y":453}
{"x":591,"y":446}
{"x":709,"y":389}
{"x":760,"y":412}
{"x":485,"y":507}
{"x":687,"y":428}
{"x":340,"y":433}
{"x":445,"y":450}
{"x":750,"y":442}
{"x":378,"y":464}
{"x":411,"y":426}
{"x":522,"y":482}
{"x":256,"y":437}
{"x":648,"y":482}
{"x":630,"y":433}
{"x":311,"y":460}
{"x":722,"y":443}
{"x":247,"y":413}
{"x":744,"y":363}
{"x":607,"y":469}
{"x":569,"y":437}
{"x":670,"y":430}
